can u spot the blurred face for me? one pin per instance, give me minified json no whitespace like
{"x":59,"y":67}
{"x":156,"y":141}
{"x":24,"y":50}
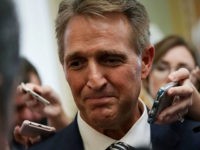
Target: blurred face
{"x":175,"y":58}
{"x":102,"y":69}
{"x":22,"y":112}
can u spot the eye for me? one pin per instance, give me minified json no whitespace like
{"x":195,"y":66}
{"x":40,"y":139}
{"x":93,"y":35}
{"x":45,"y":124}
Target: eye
{"x":112,"y":60}
{"x":161,"y":67}
{"x":76,"y":64}
{"x":185,"y":66}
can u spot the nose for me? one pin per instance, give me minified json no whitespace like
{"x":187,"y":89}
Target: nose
{"x":172,"y":70}
{"x":96,"y":77}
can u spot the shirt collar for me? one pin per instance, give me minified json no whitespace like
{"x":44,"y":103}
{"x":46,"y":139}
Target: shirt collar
{"x":137,"y":136}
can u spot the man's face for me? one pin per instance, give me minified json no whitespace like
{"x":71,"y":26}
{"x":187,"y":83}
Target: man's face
{"x":102,"y":69}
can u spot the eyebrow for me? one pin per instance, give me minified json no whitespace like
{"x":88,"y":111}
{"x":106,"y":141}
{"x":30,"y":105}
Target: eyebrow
{"x":161,"y":62}
{"x":186,"y":66}
{"x":182,"y":64}
{"x":110,"y":52}
{"x":73,"y":55}
{"x":101,"y":53}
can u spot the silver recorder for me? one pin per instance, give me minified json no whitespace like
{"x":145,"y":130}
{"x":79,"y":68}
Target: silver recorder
{"x":29,"y":128}
{"x":162,"y":101}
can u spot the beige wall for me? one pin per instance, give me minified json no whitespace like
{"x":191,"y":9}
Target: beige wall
{"x":67,"y":99}
{"x":159,"y":14}
{"x":174,"y":16}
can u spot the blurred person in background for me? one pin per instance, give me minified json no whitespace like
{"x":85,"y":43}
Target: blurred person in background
{"x":9,"y":61}
{"x":27,"y":74}
{"x":27,"y":108}
{"x":171,"y":54}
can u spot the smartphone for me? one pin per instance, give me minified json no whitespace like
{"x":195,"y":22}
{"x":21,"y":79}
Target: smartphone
{"x":35,"y":95}
{"x":162,"y":101}
{"x":29,"y":128}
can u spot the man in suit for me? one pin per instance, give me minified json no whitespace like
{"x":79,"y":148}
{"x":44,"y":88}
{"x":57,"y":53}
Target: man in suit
{"x":105,"y":52}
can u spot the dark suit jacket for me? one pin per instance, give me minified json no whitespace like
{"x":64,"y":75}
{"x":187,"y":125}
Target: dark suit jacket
{"x":177,"y":136}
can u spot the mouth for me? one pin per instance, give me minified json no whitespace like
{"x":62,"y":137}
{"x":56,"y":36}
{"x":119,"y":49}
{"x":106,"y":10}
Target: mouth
{"x":100,"y":100}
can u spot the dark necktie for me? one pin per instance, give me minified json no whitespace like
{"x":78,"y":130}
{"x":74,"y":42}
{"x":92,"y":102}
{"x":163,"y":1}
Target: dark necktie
{"x":120,"y":146}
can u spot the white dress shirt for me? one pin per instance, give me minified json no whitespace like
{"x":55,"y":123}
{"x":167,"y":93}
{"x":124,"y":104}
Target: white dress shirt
{"x":137,"y":136}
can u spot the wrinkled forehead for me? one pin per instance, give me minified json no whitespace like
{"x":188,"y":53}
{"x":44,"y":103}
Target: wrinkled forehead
{"x":94,"y":21}
{"x":92,"y":26}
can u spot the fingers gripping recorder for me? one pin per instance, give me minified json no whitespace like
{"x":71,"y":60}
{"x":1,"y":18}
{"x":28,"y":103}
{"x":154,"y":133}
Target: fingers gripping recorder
{"x":29,"y":128}
{"x":35,"y":95}
{"x":162,"y":101}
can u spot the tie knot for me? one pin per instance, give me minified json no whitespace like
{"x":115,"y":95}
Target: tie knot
{"x":120,"y":146}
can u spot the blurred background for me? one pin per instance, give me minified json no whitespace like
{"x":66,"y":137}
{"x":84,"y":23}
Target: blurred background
{"x":38,"y":40}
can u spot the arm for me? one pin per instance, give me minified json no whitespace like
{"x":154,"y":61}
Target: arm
{"x":195,"y":78}
{"x":194,"y":110}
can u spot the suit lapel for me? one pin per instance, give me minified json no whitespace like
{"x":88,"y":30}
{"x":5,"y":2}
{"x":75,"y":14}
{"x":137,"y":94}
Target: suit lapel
{"x":75,"y":140}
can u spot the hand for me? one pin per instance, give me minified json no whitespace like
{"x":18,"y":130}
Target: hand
{"x":25,"y":140}
{"x":195,"y":77}
{"x":184,"y":92}
{"x":53,"y":112}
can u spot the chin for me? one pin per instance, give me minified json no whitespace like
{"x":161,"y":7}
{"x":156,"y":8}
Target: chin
{"x":103,"y":120}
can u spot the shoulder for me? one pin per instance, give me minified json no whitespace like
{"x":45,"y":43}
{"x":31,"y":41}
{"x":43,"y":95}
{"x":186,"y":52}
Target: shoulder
{"x":176,"y":136}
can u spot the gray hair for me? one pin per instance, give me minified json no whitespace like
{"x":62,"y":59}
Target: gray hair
{"x":133,"y":10}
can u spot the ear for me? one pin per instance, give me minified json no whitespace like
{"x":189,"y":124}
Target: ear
{"x":147,"y":60}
